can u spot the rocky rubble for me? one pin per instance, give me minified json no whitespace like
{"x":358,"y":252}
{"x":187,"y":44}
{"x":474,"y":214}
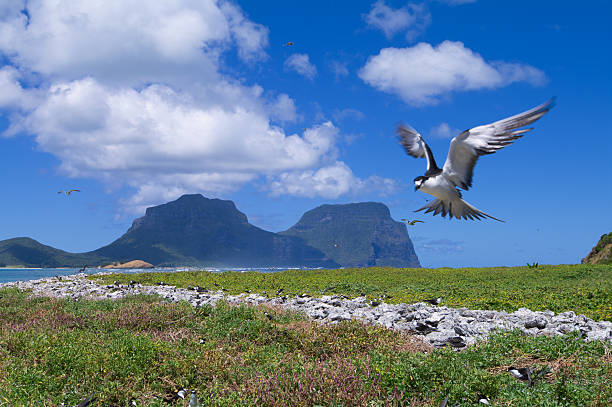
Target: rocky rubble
{"x":439,"y":326}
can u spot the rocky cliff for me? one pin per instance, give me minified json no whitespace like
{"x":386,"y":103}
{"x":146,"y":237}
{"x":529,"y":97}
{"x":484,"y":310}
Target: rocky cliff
{"x":602,"y":252}
{"x":357,"y":235}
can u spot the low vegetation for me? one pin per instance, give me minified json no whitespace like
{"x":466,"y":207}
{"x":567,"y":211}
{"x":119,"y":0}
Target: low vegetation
{"x":602,"y":252}
{"x":60,"y":351}
{"x":585,"y":289}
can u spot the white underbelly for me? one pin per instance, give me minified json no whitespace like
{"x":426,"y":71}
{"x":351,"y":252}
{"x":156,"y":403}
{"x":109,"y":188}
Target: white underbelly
{"x":440,"y":187}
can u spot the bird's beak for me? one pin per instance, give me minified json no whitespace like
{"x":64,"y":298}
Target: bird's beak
{"x":416,"y":187}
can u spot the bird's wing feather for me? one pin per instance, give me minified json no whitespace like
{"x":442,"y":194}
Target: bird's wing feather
{"x":468,"y":146}
{"x":414,"y":145}
{"x":411,"y":140}
{"x":457,"y":208}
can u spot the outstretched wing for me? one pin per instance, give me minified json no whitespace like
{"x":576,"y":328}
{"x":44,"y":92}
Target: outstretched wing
{"x":415,"y":146}
{"x":468,"y":146}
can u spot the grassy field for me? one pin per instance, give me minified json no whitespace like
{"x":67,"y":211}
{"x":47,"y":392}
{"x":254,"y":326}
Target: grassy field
{"x":59,"y":351}
{"x":585,"y":289}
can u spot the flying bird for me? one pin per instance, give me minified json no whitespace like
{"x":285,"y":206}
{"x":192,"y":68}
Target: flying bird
{"x":69,"y":191}
{"x":412,"y":222}
{"x":288,"y":44}
{"x":464,"y":151}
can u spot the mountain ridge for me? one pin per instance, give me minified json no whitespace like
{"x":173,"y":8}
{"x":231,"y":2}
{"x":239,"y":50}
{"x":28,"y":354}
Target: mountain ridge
{"x":197,"y":231}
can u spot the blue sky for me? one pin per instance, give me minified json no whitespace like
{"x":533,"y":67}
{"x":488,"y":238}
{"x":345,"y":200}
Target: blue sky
{"x":137,"y":104}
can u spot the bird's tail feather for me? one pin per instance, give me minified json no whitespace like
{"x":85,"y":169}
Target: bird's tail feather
{"x":457,"y":208}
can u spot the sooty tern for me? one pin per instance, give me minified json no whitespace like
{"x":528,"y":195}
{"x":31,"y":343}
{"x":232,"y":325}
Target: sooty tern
{"x":463,"y":153}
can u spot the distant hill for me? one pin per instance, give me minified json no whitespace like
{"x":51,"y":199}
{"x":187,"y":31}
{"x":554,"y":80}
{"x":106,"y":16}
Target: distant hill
{"x":197,"y":231}
{"x":194,"y":230}
{"x":602,"y":252}
{"x":357,"y":235}
{"x":23,"y":251}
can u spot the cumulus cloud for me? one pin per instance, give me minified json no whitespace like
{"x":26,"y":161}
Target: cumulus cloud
{"x":329,"y":182}
{"x":107,"y":132}
{"x":13,"y":95}
{"x":412,"y":18}
{"x":131,"y":93}
{"x":421,"y":74}
{"x":283,"y":109}
{"x":300,"y":63}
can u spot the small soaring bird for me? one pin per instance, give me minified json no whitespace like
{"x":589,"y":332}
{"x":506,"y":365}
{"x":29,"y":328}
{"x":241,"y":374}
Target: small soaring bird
{"x":464,"y":151}
{"x":69,"y":191}
{"x":412,"y":222}
{"x":288,"y":44}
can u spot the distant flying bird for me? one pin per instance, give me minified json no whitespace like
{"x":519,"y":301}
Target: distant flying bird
{"x":288,"y":44}
{"x":69,"y":191}
{"x":83,"y":269}
{"x":464,"y":151}
{"x":412,"y":222}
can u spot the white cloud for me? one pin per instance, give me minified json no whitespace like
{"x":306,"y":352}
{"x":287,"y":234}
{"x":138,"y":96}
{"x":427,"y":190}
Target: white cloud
{"x":112,"y":101}
{"x":348,"y":113}
{"x":12,"y":94}
{"x":412,"y":18}
{"x":249,"y":37}
{"x":443,"y":130}
{"x":300,"y":63}
{"x":421,"y":74}
{"x":116,"y":132}
{"x":130,"y":92}
{"x":127,"y":42}
{"x":329,"y":182}
{"x":339,"y":69}
{"x":283,"y":109}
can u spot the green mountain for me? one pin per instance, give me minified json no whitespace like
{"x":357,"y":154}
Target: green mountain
{"x":357,"y":235}
{"x":602,"y":252}
{"x":23,"y":251}
{"x":197,"y":231}
{"x":194,"y":230}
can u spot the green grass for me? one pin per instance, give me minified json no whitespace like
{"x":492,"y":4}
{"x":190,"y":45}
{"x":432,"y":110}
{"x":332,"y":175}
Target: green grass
{"x":58,"y":351}
{"x":585,"y":289}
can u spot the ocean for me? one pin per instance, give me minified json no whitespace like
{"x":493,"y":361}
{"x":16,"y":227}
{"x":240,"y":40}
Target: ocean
{"x":24,"y":274}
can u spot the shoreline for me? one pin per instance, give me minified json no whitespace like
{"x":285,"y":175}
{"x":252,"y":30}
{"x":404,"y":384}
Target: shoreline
{"x":438,"y":326}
